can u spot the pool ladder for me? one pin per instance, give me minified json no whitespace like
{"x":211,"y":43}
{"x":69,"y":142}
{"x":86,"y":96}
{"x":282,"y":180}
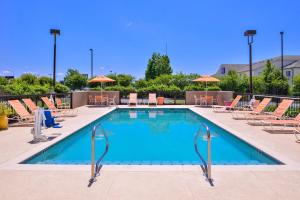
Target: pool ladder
{"x":206,"y":166}
{"x":95,"y":168}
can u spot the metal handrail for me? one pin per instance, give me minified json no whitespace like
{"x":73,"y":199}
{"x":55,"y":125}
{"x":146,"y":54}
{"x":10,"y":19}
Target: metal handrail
{"x":95,"y":171}
{"x":206,"y":167}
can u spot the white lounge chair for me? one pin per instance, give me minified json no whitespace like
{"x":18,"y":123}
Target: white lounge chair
{"x":132,"y":99}
{"x":152,"y":99}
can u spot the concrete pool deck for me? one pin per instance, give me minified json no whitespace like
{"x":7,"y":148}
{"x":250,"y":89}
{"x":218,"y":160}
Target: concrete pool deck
{"x":148,"y":182}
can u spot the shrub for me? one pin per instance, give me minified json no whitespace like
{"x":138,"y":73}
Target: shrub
{"x":5,"y":110}
{"x":60,"y":88}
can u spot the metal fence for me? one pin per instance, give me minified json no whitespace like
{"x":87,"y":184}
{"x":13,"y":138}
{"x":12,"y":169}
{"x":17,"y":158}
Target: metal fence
{"x":293,"y":110}
{"x":67,"y":97}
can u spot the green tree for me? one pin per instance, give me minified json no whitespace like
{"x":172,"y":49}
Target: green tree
{"x":60,"y":88}
{"x":274,"y":84}
{"x":234,"y":82}
{"x":3,"y":81}
{"x":74,"y":79}
{"x":44,"y":80}
{"x":296,"y":85}
{"x":122,"y":79}
{"x":158,"y":65}
{"x":29,"y":78}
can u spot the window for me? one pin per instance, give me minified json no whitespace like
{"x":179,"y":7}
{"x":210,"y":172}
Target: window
{"x":288,"y":73}
{"x":223,"y":70}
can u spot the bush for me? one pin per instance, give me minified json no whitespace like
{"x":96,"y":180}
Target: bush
{"x":213,"y":88}
{"x":234,"y":82}
{"x":5,"y":110}
{"x":194,"y":87}
{"x":124,"y":91}
{"x":60,"y":88}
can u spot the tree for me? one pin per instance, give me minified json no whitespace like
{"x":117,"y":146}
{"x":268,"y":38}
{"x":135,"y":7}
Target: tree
{"x":274,"y":84}
{"x":122,"y":79}
{"x":74,"y":79}
{"x":296,"y":85}
{"x":60,"y":88}
{"x":158,"y":65}
{"x":234,"y":82}
{"x":44,"y":80}
{"x":29,"y":78}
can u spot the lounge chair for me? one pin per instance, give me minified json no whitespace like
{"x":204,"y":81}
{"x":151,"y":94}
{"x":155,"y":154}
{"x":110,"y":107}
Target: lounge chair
{"x":112,"y":101}
{"x":247,"y":114}
{"x":281,"y":123}
{"x":152,"y":99}
{"x":23,"y":116}
{"x":33,"y":107}
{"x":132,"y":99}
{"x":30,"y":105}
{"x":277,"y":114}
{"x":297,"y":131}
{"x":59,"y":112}
{"x":222,"y":109}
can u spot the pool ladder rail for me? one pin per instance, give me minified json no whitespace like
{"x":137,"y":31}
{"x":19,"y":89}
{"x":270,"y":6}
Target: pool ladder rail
{"x":95,"y":168}
{"x":206,"y":166}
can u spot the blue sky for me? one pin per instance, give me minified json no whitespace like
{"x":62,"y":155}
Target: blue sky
{"x":200,"y":35}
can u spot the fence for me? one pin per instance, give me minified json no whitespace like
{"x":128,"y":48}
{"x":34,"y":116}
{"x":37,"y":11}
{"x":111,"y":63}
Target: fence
{"x":293,"y":110}
{"x":37,"y":98}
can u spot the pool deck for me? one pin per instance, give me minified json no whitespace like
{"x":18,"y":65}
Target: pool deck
{"x":148,"y":182}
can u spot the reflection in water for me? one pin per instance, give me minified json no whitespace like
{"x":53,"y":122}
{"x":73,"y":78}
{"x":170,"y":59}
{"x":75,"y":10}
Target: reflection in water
{"x":152,"y":114}
{"x":133,"y":114}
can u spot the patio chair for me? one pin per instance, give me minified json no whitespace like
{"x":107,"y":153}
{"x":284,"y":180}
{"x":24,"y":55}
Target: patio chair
{"x":100,"y":99}
{"x":152,"y":99}
{"x":132,"y":99}
{"x":277,"y":114}
{"x":92,"y":100}
{"x":112,"y":101}
{"x":240,"y":115}
{"x":62,"y":105}
{"x":224,"y":109}
{"x":197,"y":99}
{"x":23,"y":116}
{"x":59,"y":112}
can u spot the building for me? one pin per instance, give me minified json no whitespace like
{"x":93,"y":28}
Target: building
{"x":291,"y":67}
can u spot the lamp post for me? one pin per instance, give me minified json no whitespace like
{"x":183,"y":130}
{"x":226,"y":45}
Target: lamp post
{"x":281,"y":36}
{"x":54,"y":32}
{"x":249,"y":34}
{"x":92,"y":62}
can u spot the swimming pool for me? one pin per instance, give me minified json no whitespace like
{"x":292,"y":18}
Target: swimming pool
{"x":156,"y":136}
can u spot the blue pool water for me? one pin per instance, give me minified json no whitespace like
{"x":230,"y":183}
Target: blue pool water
{"x":152,"y":136}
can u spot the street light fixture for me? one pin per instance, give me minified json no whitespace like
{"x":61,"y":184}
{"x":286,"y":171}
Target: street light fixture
{"x":54,"y":32}
{"x":249,"y":34}
{"x":92,"y":62}
{"x":281,"y":36}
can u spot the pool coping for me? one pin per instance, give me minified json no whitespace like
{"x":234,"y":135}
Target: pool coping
{"x":15,"y":163}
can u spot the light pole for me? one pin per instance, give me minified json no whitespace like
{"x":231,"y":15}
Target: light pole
{"x":249,"y":34}
{"x":281,"y":36}
{"x":92,"y":62}
{"x":54,"y":32}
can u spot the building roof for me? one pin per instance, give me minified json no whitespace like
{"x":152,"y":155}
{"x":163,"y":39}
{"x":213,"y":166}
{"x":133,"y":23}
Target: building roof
{"x":289,"y":61}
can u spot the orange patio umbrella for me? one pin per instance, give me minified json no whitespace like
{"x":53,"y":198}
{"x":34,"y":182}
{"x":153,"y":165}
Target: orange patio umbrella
{"x":101,"y":79}
{"x":206,"y":79}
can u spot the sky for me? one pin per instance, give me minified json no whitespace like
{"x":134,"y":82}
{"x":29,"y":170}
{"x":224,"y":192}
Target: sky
{"x":200,"y":35}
